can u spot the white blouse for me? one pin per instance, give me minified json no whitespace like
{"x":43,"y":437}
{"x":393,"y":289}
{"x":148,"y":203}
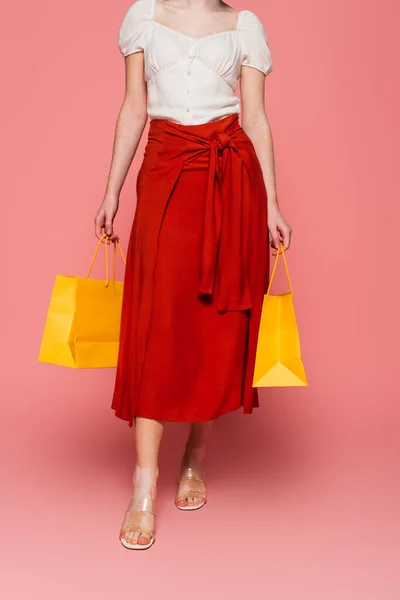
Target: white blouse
{"x":193,"y":80}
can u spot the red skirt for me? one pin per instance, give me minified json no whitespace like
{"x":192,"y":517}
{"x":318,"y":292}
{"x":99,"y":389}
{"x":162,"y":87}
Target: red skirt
{"x":196,"y":273}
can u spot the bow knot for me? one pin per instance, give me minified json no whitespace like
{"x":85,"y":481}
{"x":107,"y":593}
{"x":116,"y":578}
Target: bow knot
{"x":223,"y":141}
{"x":224,"y":267}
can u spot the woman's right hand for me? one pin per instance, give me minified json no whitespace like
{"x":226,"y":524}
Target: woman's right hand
{"x":105,"y":218}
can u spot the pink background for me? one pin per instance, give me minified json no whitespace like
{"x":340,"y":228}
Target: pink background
{"x":304,"y":493}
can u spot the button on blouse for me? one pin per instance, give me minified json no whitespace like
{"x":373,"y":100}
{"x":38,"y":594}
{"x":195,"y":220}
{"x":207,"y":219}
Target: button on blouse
{"x":193,"y":80}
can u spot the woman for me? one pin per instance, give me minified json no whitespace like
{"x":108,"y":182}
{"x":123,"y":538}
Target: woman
{"x":197,"y":261}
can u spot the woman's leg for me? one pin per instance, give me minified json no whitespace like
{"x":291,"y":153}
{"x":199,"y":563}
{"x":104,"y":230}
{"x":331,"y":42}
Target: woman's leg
{"x":192,"y":491}
{"x":148,"y":439}
{"x":138,"y":526}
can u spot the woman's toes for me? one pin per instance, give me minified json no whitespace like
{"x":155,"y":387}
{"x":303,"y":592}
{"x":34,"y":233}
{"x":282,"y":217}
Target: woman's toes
{"x":190,"y":501}
{"x":143,"y":539}
{"x":126,"y":537}
{"x":133,"y":536}
{"x":137,"y":536}
{"x":181,"y":502}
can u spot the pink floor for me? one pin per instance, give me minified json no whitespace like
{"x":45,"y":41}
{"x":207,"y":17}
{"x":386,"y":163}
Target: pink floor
{"x":290,"y":514}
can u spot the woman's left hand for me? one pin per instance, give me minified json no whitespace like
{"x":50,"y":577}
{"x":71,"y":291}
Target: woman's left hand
{"x":279,"y":229}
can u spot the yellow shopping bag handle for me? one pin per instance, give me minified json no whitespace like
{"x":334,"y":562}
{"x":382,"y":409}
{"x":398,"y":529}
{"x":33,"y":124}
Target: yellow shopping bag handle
{"x":280,"y":249}
{"x":116,"y":243}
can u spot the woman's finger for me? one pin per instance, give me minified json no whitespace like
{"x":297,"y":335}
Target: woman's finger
{"x":274,"y":238}
{"x":109,"y":225}
{"x":98,"y":226}
{"x":285,"y":233}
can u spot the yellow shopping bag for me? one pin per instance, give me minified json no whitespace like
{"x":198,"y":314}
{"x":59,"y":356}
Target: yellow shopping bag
{"x":83,"y":320}
{"x":278,"y":357}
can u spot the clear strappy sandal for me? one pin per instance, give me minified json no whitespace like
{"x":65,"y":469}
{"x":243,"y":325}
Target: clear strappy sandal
{"x":191,"y":484}
{"x":137,"y":520}
{"x":140,"y":515}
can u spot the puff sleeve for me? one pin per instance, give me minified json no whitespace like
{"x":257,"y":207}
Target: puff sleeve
{"x":254,"y":43}
{"x":132,"y":32}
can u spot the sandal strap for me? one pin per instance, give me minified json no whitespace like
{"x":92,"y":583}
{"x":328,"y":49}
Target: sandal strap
{"x":190,"y":473}
{"x":142,"y":505}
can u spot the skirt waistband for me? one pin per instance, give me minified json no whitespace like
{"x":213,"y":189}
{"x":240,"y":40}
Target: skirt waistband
{"x":207,"y":130}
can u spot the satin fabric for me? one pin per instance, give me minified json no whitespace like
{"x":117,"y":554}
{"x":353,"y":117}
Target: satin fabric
{"x":196,"y":273}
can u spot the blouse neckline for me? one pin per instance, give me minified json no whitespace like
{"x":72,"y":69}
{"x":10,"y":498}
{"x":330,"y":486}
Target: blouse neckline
{"x":189,"y":37}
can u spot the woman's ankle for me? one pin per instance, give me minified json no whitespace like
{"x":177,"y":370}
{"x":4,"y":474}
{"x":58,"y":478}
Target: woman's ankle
{"x":145,"y":481}
{"x":193,"y":457}
{"x":195,"y":448}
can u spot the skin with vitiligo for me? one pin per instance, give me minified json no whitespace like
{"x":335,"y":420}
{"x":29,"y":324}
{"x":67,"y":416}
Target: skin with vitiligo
{"x":194,"y":18}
